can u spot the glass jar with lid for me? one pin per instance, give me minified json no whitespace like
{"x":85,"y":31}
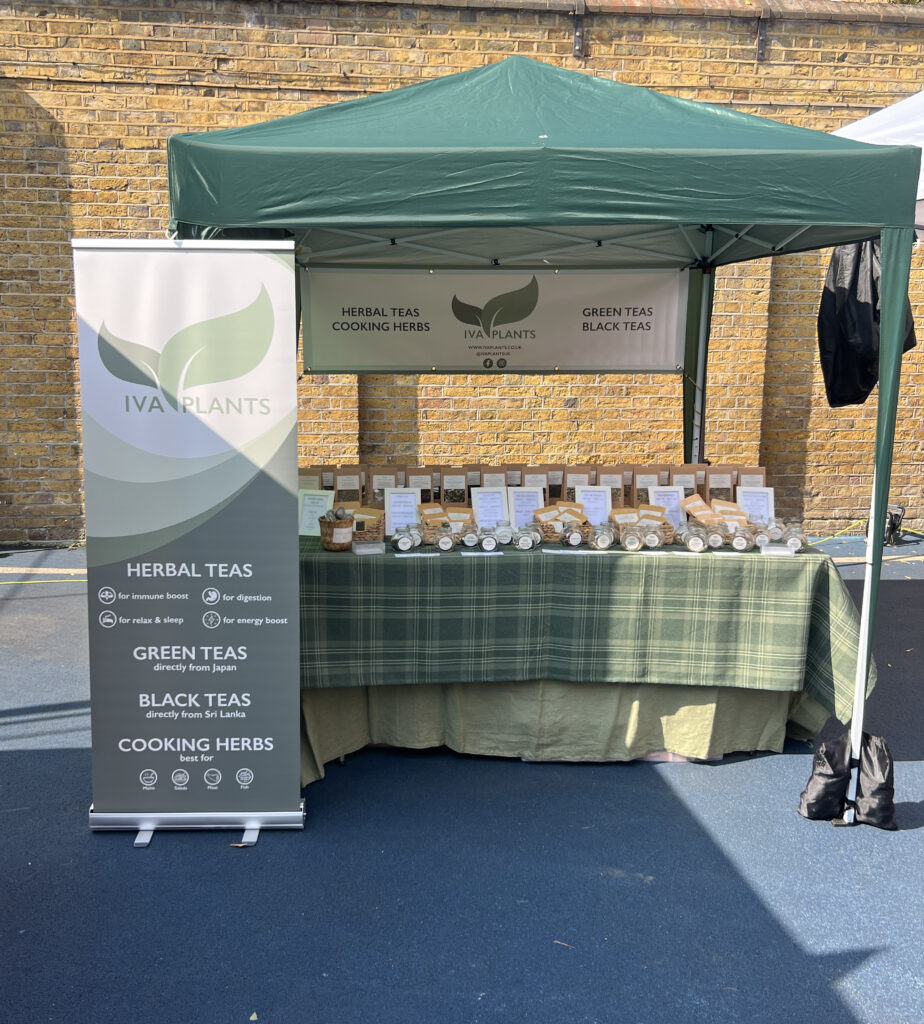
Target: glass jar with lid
{"x":469,"y":535}
{"x":445,"y":538}
{"x":602,"y":538}
{"x":717,"y":535}
{"x":693,"y":536}
{"x":504,"y":531}
{"x":524,"y":539}
{"x":761,"y":534}
{"x":794,"y":537}
{"x":775,"y":529}
{"x":487,"y":539}
{"x":741,"y":538}
{"x":653,"y":535}
{"x":571,"y":535}
{"x":536,"y":530}
{"x":632,"y":537}
{"x":416,"y":531}
{"x":402,"y":540}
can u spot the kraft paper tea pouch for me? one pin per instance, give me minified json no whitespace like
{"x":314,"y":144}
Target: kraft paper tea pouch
{"x":514,"y":475}
{"x":720,"y":483}
{"x":624,"y":516}
{"x":690,"y":476}
{"x":454,"y":485}
{"x":614,"y":477}
{"x":695,"y":506}
{"x":646,"y":477}
{"x":547,"y":514}
{"x":556,"y":474}
{"x":459,"y":516}
{"x":537,"y":476}
{"x":348,"y":485}
{"x":493,"y":476}
{"x":752,"y":476}
{"x":577,"y":476}
{"x":628,"y":486}
{"x":472,"y":479}
{"x":422,"y":477}
{"x":377,"y":479}
{"x":310,"y":478}
{"x":570,"y":506}
{"x":436,"y":494}
{"x":720,"y":505}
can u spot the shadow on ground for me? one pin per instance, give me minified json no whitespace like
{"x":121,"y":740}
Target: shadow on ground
{"x":423,"y":889}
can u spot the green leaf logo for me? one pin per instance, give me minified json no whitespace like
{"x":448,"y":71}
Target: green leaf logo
{"x":222,"y":348}
{"x":509,"y":308}
{"x":216,"y":350}
{"x":134,"y":364}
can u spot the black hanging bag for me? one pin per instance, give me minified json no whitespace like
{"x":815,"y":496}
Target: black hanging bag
{"x":848,"y":324}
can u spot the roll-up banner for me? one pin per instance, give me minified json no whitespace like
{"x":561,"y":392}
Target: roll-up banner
{"x":187,"y":374}
{"x":515,"y":321}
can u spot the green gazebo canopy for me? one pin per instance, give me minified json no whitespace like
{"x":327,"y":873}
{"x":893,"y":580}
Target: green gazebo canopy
{"x":519,"y":146}
{"x":523,"y":164}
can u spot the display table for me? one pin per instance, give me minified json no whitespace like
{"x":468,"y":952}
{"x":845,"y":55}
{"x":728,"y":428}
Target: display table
{"x":570,"y":656}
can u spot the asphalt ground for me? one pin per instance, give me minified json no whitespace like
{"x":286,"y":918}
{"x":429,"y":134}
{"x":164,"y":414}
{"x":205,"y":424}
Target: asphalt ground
{"x":435,"y":887}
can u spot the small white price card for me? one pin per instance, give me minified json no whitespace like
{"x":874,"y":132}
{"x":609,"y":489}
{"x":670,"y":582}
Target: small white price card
{"x":597,"y":502}
{"x":522,"y":503}
{"x":669,"y":499}
{"x":757,"y":502}
{"x":312,"y":505}
{"x":400,"y":507}
{"x":489,"y":505}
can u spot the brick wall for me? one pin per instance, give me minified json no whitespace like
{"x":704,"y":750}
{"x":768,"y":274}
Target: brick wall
{"x":89,"y":93}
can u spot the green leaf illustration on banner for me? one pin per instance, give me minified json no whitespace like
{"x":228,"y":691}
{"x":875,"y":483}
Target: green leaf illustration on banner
{"x":135,"y":364}
{"x":216,"y":350}
{"x":510,"y":307}
{"x":465,"y":313}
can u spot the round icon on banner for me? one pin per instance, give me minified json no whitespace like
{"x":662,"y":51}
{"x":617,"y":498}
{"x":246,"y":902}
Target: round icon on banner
{"x":106,"y":595}
{"x":107,"y":619}
{"x":501,"y":363}
{"x":244,"y":776}
{"x":488,"y":363}
{"x":212,"y":776}
{"x":211,"y":596}
{"x":211,"y":620}
{"x":180,"y":777}
{"x":148,"y":777}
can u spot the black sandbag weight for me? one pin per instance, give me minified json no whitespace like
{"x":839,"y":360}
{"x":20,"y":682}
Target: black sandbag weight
{"x":825,"y":795}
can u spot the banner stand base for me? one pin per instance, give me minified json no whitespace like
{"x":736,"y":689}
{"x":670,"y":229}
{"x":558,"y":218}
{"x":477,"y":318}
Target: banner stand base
{"x":147,"y":824}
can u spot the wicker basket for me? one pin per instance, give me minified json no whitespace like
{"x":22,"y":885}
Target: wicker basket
{"x":429,"y":533}
{"x":549,"y":534}
{"x":374,"y":529}
{"x":586,"y":530}
{"x":552,"y":536}
{"x":327,"y":533}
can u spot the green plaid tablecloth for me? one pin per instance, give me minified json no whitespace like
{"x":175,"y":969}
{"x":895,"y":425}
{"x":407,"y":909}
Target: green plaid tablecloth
{"x":745,"y":621}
